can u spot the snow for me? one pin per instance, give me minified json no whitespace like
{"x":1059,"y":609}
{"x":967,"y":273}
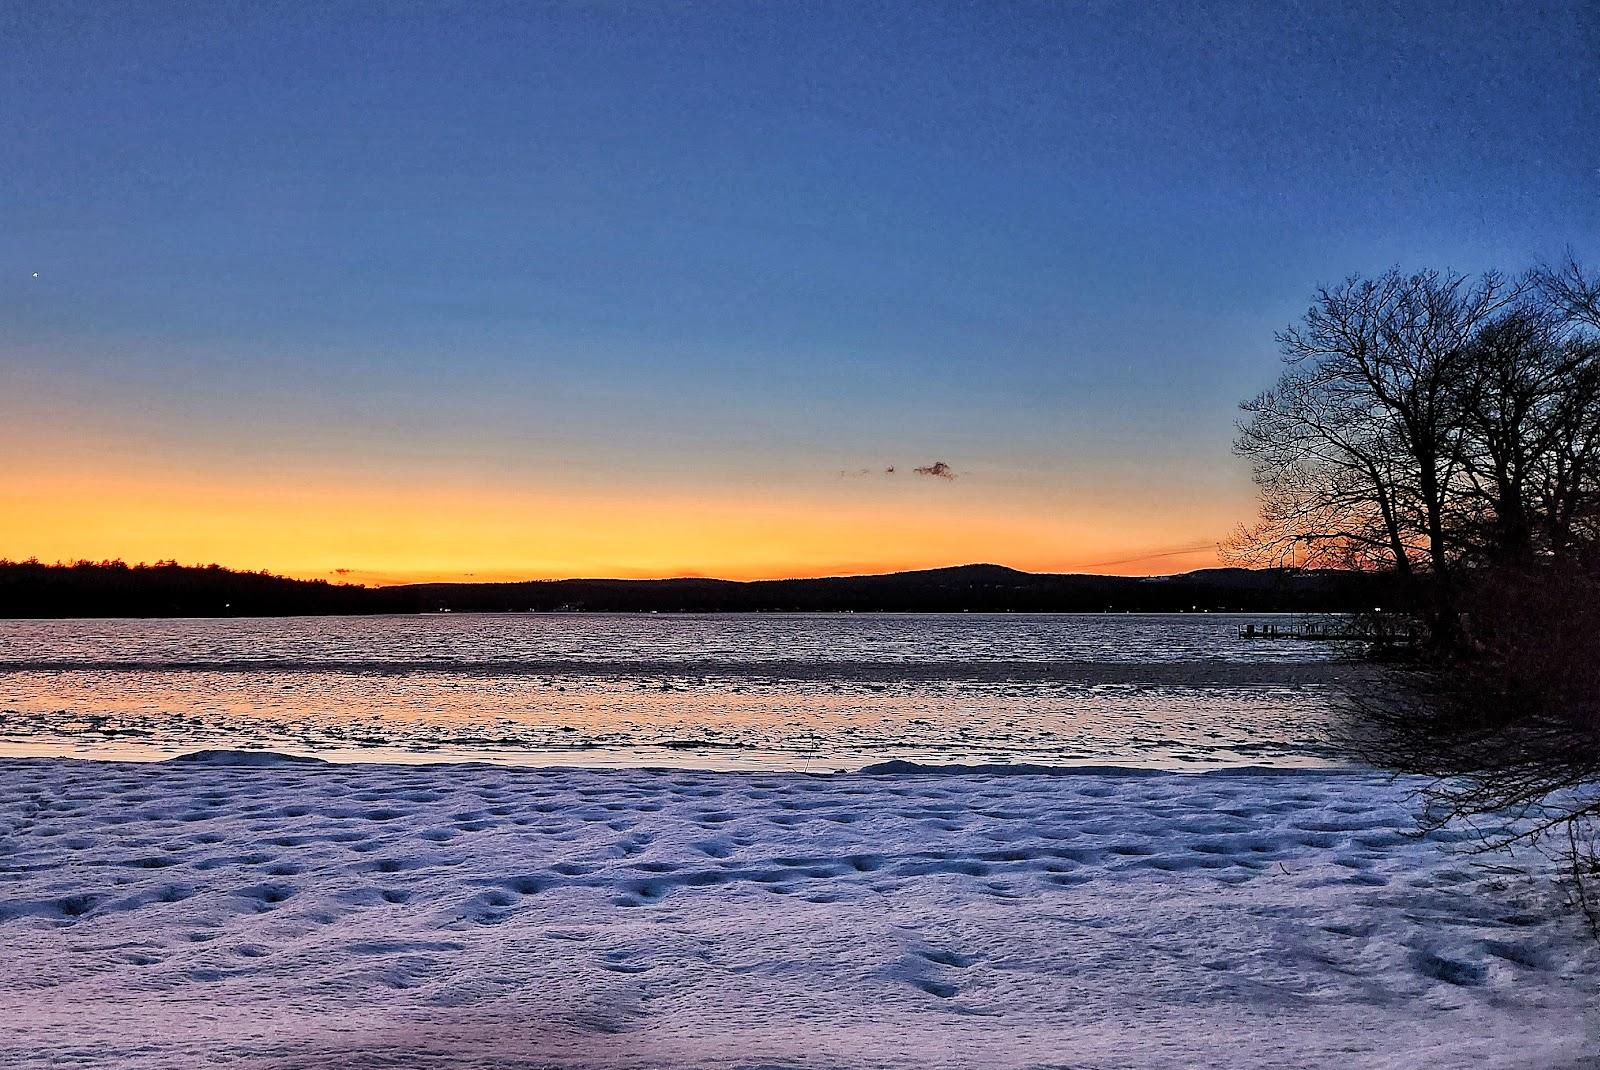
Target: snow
{"x":281,"y":916}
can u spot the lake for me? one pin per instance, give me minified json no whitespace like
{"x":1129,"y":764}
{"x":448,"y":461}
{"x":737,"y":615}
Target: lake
{"x":780,"y":691}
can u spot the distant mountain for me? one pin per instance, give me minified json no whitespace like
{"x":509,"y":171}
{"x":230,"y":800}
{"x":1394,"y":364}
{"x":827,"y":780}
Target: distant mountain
{"x":116,"y":590}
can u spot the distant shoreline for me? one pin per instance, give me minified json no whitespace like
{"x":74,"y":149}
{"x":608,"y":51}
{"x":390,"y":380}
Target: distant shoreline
{"x":33,"y":590}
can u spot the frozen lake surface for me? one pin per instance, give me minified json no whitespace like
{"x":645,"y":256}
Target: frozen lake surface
{"x":776,"y":691}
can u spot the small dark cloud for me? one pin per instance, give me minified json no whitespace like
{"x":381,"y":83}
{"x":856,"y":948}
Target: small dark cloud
{"x":938,"y":469}
{"x":341,"y":572}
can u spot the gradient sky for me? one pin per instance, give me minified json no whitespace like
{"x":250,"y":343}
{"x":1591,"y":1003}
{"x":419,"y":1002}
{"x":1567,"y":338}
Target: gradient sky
{"x":439,"y":290}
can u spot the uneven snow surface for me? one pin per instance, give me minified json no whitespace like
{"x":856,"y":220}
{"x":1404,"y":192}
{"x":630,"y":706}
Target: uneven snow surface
{"x":295,"y":918}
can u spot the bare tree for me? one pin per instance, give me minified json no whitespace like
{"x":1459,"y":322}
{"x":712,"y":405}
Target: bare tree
{"x":1359,"y":447}
{"x":1530,"y":406}
{"x":1449,"y":429}
{"x":1571,"y":288}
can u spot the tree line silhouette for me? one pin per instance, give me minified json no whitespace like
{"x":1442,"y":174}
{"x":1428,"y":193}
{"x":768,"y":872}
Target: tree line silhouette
{"x":113,"y":588}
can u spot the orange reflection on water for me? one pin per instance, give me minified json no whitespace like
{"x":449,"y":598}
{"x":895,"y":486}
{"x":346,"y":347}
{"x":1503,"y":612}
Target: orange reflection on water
{"x":718,"y":721}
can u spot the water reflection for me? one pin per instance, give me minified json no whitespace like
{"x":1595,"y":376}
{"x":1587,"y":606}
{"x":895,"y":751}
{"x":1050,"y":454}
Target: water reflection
{"x":727,"y":722}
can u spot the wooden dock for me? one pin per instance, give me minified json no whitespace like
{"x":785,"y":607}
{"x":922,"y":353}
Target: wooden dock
{"x":1402,"y":632}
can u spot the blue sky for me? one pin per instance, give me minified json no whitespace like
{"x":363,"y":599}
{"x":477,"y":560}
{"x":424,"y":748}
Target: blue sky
{"x":728,"y":251}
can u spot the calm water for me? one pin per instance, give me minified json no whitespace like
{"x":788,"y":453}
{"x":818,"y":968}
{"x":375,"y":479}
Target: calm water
{"x":760,"y":690}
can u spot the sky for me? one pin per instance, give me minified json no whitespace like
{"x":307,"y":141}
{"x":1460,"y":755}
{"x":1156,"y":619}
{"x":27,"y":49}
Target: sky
{"x":433,"y":290}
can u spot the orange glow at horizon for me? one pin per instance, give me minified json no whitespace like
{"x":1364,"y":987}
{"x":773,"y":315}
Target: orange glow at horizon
{"x":379,"y":534}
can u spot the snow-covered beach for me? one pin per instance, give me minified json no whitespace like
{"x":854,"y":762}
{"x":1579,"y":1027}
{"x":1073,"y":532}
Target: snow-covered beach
{"x":175,"y":915}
